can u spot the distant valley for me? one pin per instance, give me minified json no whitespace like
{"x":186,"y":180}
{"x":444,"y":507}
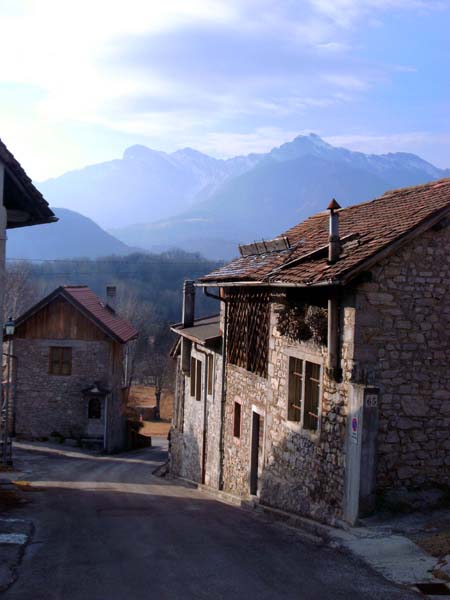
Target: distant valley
{"x":158,"y":201}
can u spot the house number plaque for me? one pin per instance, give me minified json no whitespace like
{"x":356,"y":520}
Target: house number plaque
{"x":371,"y":400}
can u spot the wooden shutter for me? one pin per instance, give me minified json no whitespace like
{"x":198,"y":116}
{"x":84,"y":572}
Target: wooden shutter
{"x":210,"y":364}
{"x":193,"y":375}
{"x":66,"y":361}
{"x":312,"y":396}
{"x":198,"y":387}
{"x":295,"y":389}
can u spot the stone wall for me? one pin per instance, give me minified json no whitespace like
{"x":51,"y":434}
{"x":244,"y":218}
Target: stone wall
{"x":303,"y":472}
{"x":188,"y":426}
{"x":402,"y":346}
{"x":45,"y":403}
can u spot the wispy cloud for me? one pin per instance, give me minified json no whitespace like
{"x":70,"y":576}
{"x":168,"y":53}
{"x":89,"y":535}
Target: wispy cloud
{"x":205,"y":71}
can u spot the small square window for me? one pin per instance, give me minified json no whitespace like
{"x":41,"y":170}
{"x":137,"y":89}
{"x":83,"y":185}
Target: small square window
{"x":237,"y":420}
{"x":60,"y":360}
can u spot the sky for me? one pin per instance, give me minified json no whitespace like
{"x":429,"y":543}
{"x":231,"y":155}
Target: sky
{"x":82,"y":80}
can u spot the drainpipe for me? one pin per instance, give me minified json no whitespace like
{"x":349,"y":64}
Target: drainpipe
{"x":334,"y":250}
{"x":333,"y":324}
{"x":223,"y":384}
{"x":105,"y":428}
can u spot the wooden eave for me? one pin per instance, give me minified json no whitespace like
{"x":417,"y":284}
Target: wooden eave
{"x":61,"y":292}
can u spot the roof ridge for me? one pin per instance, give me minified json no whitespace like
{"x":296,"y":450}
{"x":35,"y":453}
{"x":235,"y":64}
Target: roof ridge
{"x":405,"y":190}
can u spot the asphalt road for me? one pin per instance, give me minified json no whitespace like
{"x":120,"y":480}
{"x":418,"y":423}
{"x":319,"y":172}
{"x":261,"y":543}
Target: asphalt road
{"x":107,"y":529}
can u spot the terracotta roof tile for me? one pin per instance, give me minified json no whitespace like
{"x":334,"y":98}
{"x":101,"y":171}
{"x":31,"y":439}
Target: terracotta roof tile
{"x":111,"y":321}
{"x":92,"y":307}
{"x":365,"y":230}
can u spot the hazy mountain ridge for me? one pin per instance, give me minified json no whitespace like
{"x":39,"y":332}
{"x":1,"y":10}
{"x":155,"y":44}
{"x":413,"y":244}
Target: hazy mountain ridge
{"x":144,"y":185}
{"x":285,"y":186}
{"x":73,"y":236}
{"x":187,"y":199}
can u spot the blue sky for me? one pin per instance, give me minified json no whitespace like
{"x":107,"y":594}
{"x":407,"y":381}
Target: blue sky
{"x":81,"y":81}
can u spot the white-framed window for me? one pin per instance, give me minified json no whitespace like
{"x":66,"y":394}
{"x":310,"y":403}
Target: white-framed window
{"x":196,"y":378}
{"x":304,"y":394}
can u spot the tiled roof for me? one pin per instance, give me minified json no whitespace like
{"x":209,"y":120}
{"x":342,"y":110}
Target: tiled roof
{"x":366,"y":231}
{"x":105,"y":316}
{"x":36,"y":204}
{"x":92,"y":307}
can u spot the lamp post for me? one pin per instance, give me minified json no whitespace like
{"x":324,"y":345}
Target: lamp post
{"x":9,"y":332}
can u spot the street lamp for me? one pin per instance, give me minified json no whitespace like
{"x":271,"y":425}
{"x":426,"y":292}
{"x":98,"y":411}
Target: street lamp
{"x":9,"y":332}
{"x":10,"y":327}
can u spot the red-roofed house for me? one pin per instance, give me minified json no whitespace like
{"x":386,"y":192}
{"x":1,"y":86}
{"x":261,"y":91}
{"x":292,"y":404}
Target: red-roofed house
{"x":336,"y":386}
{"x":69,"y":368}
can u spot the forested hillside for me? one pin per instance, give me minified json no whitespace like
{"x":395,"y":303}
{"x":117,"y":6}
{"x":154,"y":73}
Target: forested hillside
{"x":149,"y":294}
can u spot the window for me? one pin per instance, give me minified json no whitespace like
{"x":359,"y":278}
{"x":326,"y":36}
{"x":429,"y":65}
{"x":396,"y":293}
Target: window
{"x":210,"y":363}
{"x":94,"y":408}
{"x":237,"y":420}
{"x":60,"y":360}
{"x":304,"y":393}
{"x":196,"y":378}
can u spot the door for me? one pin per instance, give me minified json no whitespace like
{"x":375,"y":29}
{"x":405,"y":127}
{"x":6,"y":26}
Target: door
{"x":256,"y":459}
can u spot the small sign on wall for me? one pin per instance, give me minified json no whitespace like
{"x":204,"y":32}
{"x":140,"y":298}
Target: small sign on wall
{"x":371,"y":399}
{"x":354,"y":430}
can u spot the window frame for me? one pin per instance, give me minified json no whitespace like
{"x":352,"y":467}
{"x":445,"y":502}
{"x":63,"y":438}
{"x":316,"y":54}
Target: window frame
{"x":59,"y":352}
{"x":300,"y":425}
{"x":195,"y":376}
{"x":100,"y":403}
{"x":210,"y":374}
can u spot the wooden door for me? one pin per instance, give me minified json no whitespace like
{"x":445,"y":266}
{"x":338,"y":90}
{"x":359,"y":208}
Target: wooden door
{"x":256,"y":459}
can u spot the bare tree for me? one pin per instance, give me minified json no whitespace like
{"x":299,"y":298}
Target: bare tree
{"x":20,"y":290}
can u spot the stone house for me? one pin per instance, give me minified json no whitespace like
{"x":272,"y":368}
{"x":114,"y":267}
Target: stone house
{"x":335,"y":392}
{"x":195,"y":437}
{"x":68,"y":377}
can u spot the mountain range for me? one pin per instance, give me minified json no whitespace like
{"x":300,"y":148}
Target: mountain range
{"x":73,"y":236}
{"x":156,"y":201}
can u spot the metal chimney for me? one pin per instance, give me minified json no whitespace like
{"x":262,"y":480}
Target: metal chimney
{"x":188,"y":304}
{"x":111,"y":296}
{"x":187,"y":318}
{"x":334,"y":243}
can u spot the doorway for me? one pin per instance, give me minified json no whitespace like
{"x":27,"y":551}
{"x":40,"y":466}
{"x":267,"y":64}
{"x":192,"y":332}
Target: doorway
{"x":256,"y":459}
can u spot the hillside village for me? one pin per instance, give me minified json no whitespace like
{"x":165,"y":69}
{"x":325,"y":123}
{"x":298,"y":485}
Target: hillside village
{"x":317,"y":391}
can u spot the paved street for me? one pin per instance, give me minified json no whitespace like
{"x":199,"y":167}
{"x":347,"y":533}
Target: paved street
{"x":107,"y":529}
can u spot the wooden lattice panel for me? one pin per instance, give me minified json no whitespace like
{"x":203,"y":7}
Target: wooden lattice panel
{"x":248,"y":329}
